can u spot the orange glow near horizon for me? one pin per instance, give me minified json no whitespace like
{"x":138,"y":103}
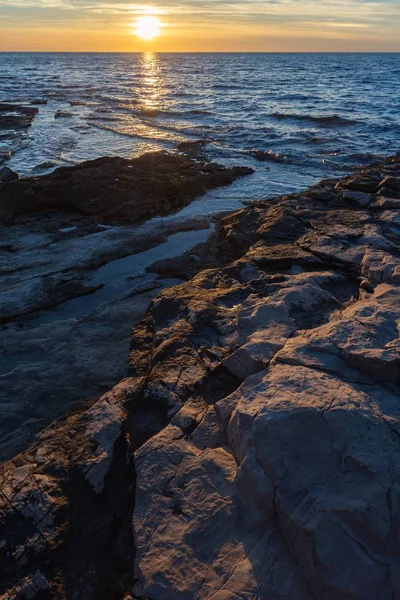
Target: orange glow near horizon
{"x":190,"y":26}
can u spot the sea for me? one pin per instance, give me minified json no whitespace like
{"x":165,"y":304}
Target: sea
{"x":309,"y":116}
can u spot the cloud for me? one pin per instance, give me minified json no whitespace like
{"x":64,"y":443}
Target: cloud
{"x":371,"y":19}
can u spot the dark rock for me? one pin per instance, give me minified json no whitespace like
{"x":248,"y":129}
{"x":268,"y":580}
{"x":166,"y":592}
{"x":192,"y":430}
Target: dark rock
{"x":63,"y":114}
{"x":15,"y":116}
{"x":391,"y":182}
{"x":195,"y":149}
{"x":7,"y":248}
{"x":367,"y":185}
{"x":7,"y":174}
{"x":321,"y":194}
{"x":5,"y":156}
{"x":385,"y":202}
{"x":360,"y":198}
{"x":390,"y":192}
{"x":268,"y":156}
{"x":189,"y":264}
{"x":116,"y":189}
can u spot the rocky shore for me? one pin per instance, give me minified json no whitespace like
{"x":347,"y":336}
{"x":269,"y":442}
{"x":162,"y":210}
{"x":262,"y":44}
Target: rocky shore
{"x":73,"y":254}
{"x":253,"y":450}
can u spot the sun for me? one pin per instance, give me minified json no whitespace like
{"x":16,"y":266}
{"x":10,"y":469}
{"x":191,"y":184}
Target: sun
{"x":147,"y":28}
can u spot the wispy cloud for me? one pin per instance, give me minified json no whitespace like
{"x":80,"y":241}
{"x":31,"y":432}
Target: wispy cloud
{"x":353,"y":19}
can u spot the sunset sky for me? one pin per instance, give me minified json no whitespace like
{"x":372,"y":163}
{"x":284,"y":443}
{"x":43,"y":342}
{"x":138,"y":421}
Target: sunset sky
{"x":201,"y":25}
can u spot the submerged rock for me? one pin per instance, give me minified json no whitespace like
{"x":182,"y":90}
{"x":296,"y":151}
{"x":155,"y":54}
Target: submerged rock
{"x":63,"y":114}
{"x":268,"y":156}
{"x":254,"y":446}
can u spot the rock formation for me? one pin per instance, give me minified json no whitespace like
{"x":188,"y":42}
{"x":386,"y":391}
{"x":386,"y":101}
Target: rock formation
{"x":253,"y":451}
{"x":16,"y":116}
{"x":7,"y":175}
{"x":117,"y":190}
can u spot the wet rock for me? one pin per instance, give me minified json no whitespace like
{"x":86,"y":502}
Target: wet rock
{"x":63,"y":114}
{"x":7,"y":174}
{"x":195,"y":149}
{"x":16,"y":116}
{"x":43,"y":292}
{"x":116,"y":189}
{"x":267,"y":156}
{"x":48,"y":296}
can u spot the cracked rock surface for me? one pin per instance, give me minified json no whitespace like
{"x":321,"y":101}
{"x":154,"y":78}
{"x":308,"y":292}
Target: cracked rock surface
{"x":253,"y":451}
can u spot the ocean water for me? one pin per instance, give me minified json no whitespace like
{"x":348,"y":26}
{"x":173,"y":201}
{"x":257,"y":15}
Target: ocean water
{"x":317,"y":115}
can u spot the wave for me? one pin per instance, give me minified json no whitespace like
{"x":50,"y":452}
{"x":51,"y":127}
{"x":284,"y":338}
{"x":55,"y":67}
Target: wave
{"x":316,"y":140}
{"x":134,"y":108}
{"x":155,"y":112}
{"x":225,"y":86}
{"x":134,"y":134}
{"x":179,"y":132}
{"x":329,"y":121}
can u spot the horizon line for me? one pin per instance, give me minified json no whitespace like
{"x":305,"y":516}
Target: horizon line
{"x":199,"y":52}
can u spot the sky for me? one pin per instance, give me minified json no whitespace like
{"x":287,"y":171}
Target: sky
{"x":202,"y":25}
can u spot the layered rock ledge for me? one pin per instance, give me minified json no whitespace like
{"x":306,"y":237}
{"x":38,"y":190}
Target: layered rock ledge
{"x":253,"y":451}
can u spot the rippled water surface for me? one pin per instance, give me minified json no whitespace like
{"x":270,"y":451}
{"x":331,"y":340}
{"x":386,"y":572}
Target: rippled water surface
{"x":318,"y":115}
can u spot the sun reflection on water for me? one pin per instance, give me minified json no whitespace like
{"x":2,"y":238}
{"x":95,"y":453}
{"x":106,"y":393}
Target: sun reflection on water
{"x":152,"y":86}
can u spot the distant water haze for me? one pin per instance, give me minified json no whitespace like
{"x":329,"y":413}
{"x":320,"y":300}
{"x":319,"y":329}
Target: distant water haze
{"x":307,"y":116}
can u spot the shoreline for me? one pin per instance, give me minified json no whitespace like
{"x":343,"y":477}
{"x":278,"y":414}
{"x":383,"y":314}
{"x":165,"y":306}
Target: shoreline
{"x":271,"y":381}
{"x":74,"y":280}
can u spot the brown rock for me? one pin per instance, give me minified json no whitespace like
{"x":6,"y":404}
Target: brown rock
{"x":262,"y":416}
{"x":116,"y":189}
